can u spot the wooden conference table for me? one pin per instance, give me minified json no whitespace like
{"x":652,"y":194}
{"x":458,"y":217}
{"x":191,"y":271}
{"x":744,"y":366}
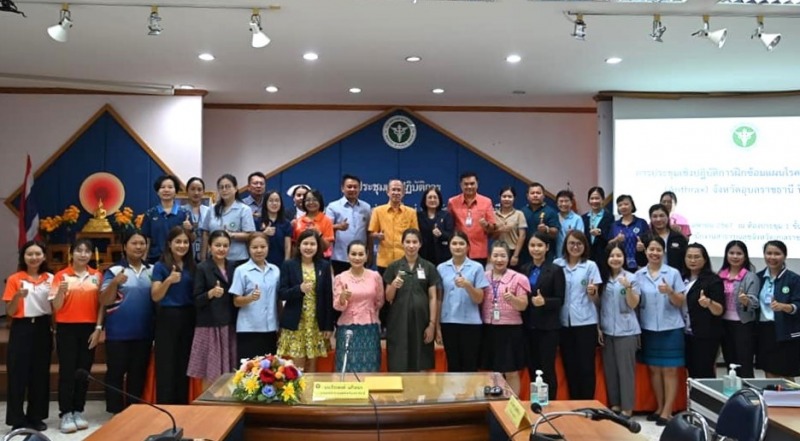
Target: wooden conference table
{"x":138,"y":421}
{"x":574,"y":428}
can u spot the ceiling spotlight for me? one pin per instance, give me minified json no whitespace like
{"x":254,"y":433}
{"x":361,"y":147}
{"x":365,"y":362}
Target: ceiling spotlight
{"x":260,"y":39}
{"x":271,"y":89}
{"x":438,"y":91}
{"x":205,"y":56}
{"x":355,"y":90}
{"x":59,"y":32}
{"x":513,"y":58}
{"x":717,"y":37}
{"x":413,"y":58}
{"x":769,"y":40}
{"x":658,"y":29}
{"x":310,"y":56}
{"x":579,"y":31}
{"x":154,"y":22}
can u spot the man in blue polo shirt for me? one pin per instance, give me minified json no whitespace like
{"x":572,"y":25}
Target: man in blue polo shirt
{"x":539,"y":217}
{"x":256,"y":187}
{"x":350,"y":218}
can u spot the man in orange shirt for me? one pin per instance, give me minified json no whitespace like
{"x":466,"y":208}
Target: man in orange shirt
{"x":474,"y":215}
{"x":387,"y":223}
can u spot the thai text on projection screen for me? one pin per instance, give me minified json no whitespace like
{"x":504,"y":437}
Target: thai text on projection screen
{"x":735,"y":178}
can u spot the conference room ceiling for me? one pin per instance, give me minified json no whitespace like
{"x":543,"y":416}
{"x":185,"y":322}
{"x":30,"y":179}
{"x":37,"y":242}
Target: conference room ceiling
{"x":364,"y":44}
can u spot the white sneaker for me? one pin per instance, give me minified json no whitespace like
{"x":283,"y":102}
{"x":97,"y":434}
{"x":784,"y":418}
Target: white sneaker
{"x":80,"y":421}
{"x":67,"y":424}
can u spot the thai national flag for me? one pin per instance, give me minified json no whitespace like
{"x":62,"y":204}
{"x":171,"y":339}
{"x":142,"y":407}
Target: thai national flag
{"x":28,"y":215}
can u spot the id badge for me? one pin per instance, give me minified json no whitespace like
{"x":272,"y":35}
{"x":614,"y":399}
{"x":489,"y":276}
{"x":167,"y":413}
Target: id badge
{"x":421,"y":273}
{"x":496,"y":314}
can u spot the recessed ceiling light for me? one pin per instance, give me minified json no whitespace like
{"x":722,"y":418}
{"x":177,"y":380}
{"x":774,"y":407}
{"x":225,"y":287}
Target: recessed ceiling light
{"x":271,"y":89}
{"x":438,"y":91}
{"x":413,"y":59}
{"x":355,"y":90}
{"x":310,"y":56}
{"x":613,"y":60}
{"x":513,"y":58}
{"x":185,"y":86}
{"x":205,"y":56}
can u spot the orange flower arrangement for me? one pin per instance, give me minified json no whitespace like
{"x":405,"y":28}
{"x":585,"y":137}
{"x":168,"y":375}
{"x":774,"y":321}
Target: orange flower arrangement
{"x":70,"y":215}
{"x":50,"y":224}
{"x":124,"y":217}
{"x":138,"y":221}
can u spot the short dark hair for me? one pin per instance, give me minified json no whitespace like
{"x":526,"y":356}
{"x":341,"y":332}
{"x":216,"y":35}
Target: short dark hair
{"x":194,"y":179}
{"x":356,"y":243}
{"x":217,"y":234}
{"x":671,"y":195}
{"x":537,"y":184}
{"x":565,"y":193}
{"x":160,"y":180}
{"x":650,"y":238}
{"x":305,"y":235}
{"x":256,"y":174}
{"x":587,"y":252}
{"x":508,"y":188}
{"x":706,"y":269}
{"x":462,"y":235}
{"x":410,"y":231}
{"x":353,"y":177}
{"x":599,"y":190}
{"x":438,"y":192}
{"x":468,"y":174}
{"x":318,"y":196}
{"x":777,"y":244}
{"x":623,"y":197}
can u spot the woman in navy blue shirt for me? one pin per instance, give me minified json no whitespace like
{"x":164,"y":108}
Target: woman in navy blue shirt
{"x":626,"y":230}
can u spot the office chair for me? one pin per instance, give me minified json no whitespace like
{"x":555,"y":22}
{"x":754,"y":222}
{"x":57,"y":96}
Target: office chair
{"x":29,"y":435}
{"x":686,"y":426}
{"x":743,"y":417}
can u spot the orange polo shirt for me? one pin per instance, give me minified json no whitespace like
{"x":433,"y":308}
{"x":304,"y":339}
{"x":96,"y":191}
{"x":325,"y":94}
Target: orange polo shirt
{"x":35,"y":304}
{"x":322,"y":223}
{"x":480,"y":208}
{"x":81,"y":301}
{"x":391,"y":222}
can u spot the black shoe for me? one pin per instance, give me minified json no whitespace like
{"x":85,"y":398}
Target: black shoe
{"x":38,"y":426}
{"x":661,"y":421}
{"x":653,"y":417}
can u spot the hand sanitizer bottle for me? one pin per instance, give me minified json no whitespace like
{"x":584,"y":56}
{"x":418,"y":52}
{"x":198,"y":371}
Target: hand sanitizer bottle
{"x":731,"y":382}
{"x":540,"y":392}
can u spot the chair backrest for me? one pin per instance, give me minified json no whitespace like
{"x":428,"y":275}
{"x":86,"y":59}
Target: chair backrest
{"x":686,"y":426}
{"x":744,"y":416}
{"x":26,"y":434}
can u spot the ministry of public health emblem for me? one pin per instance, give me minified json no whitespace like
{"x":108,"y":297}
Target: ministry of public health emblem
{"x":399,"y":132}
{"x":744,"y":136}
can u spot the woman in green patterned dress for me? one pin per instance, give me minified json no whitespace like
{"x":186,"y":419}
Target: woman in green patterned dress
{"x":307,"y":319}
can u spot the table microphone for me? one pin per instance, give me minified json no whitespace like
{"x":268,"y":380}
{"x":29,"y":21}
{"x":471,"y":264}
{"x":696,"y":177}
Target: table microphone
{"x":173,"y":434}
{"x":604,"y":414}
{"x":537,"y":409}
{"x":348,"y":335}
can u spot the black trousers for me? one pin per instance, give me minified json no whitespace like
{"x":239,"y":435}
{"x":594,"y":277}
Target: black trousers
{"x":173,"y":345}
{"x":28,"y":359}
{"x":738,"y":346}
{"x":127,"y":362}
{"x":578,"y":345}
{"x":462,"y":346}
{"x":542,"y":349}
{"x":701,"y":356}
{"x":252,"y":344}
{"x":72,"y":347}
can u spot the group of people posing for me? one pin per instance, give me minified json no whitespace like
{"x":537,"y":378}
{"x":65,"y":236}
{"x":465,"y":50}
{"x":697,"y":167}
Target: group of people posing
{"x":501,"y":289}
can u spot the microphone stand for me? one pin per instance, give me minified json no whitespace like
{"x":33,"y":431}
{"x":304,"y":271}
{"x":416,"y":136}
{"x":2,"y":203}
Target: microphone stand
{"x":347,"y":337}
{"x":535,"y":436}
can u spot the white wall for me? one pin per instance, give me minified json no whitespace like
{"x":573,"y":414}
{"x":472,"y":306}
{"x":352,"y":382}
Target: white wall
{"x":551,"y":148}
{"x":40,"y":124}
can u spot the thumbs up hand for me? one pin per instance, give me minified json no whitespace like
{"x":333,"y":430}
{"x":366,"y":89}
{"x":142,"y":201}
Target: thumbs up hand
{"x":591,"y":289}
{"x":538,"y":299}
{"x":663,"y":287}
{"x":120,"y":278}
{"x":743,"y":299}
{"x":216,"y":291}
{"x":704,"y":301}
{"x":346,"y":293}
{"x":507,"y":296}
{"x":255,"y":295}
{"x":623,"y":280}
{"x":343,"y":226}
{"x":639,"y":244}
{"x":174,"y":276}
{"x":187,"y":223}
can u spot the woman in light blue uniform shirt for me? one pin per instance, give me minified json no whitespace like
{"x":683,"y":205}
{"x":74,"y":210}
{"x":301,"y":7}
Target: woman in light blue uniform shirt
{"x":232,"y":216}
{"x":662,"y":296}
{"x":619,"y":330}
{"x":578,"y":338}
{"x":460,"y":324}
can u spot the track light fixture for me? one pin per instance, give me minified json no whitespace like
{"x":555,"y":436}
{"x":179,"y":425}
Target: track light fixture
{"x":260,"y":39}
{"x":579,"y":29}
{"x":60,"y":32}
{"x":154,"y":22}
{"x":658,"y":29}
{"x":717,"y":37}
{"x":769,"y":40}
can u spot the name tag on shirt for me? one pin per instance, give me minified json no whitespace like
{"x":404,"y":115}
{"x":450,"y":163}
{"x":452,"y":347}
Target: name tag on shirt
{"x":421,"y":273}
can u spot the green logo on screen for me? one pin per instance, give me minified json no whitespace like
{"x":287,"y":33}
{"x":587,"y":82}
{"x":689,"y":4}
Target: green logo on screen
{"x":399,"y":132}
{"x":744,"y":136}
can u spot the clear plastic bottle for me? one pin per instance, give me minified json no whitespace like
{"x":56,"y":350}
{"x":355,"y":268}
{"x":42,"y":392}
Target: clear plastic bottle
{"x":731,"y":382}
{"x":540,"y":391}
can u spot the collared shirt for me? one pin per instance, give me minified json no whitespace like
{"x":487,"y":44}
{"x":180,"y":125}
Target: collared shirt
{"x":277,"y":242}
{"x":457,"y":305}
{"x":261,"y":315}
{"x":731,"y":298}
{"x":516,"y":284}
{"x":236,"y":218}
{"x":578,"y":309}
{"x":391,"y":222}
{"x":81,"y":302}
{"x":366,"y":298}
{"x":255,"y":207}
{"x":156,"y":226}
{"x":178,"y":294}
{"x":656,"y":312}
{"x":357,"y":216}
{"x":467,"y":218}
{"x":515,"y":220}
{"x":616,"y":317}
{"x":35,"y":303}
{"x":542,"y":215}
{"x":320,"y":222}
{"x":631,"y":232}
{"x":572,"y":221}
{"x":131,"y":315}
{"x":767,"y":295}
